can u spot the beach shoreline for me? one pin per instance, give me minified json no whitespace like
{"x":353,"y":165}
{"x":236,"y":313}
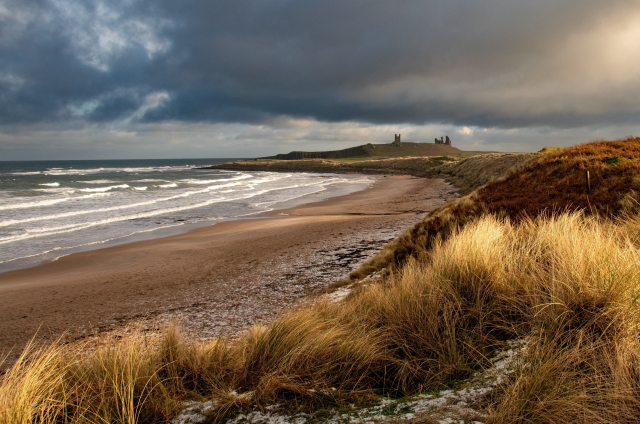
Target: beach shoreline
{"x":31,"y":238}
{"x":216,"y":280}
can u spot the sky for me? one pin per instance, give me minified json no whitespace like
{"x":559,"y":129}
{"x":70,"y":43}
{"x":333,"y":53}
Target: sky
{"x":120,"y":79}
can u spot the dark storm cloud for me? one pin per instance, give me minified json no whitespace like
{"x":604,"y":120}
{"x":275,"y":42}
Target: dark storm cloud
{"x":506,"y":63}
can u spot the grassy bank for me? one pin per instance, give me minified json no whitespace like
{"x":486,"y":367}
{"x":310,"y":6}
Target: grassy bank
{"x":545,"y":183}
{"x":565,"y":282}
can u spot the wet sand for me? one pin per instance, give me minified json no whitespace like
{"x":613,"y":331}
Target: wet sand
{"x":215,"y":280}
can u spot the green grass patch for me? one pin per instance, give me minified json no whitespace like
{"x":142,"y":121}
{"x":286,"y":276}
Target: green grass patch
{"x":353,"y":159}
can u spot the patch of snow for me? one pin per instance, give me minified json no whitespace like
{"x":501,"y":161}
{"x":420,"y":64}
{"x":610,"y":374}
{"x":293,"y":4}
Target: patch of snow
{"x":339,"y":294}
{"x":444,"y":407}
{"x":258,"y":417}
{"x":342,"y":292}
{"x":195,"y":412}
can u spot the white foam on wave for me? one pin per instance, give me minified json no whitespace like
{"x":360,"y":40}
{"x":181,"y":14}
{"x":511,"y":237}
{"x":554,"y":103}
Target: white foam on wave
{"x":322,"y":187}
{"x":103,"y":189}
{"x":32,"y":204}
{"x":216,"y":186}
{"x":156,"y":169}
{"x":196,"y":181}
{"x":50,"y":184}
{"x":56,"y":190}
{"x":26,"y":173}
{"x":98,"y":182}
{"x":114,"y":208}
{"x":270,"y":177}
{"x":55,"y":249}
{"x":90,"y":171}
{"x":63,"y":171}
{"x":49,"y":231}
{"x":140,"y":188}
{"x":106,"y":224}
{"x":46,"y":231}
{"x":272,"y":202}
{"x":49,"y":202}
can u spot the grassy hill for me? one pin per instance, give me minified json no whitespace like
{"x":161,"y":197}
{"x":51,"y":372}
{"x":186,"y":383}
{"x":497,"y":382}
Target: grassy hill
{"x":529,"y":267}
{"x":380,"y":151}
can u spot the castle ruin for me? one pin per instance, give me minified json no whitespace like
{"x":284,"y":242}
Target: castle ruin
{"x":396,"y":142}
{"x":443,"y":141}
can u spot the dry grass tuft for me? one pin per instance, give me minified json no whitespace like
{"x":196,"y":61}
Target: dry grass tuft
{"x":32,"y":390}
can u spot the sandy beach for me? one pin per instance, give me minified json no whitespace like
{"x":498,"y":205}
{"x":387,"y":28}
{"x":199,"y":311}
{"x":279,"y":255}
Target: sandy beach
{"x":214,"y":280}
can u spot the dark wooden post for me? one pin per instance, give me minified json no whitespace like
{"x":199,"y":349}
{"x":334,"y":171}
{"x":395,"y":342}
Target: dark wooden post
{"x":588,"y":183}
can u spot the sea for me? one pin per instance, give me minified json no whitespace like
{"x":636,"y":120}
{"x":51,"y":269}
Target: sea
{"x":49,"y":209}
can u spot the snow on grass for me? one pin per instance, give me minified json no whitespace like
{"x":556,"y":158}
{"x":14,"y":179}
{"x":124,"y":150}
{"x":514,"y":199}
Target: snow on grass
{"x":339,"y":294}
{"x":195,"y":412}
{"x":444,"y":407}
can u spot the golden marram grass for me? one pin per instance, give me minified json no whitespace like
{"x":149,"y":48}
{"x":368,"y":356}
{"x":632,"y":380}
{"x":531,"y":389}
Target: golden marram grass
{"x":567,"y":283}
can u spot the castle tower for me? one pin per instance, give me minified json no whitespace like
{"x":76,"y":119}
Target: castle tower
{"x":396,"y":142}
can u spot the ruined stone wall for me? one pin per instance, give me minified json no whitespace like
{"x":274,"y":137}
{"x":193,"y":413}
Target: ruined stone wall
{"x":442,"y":140}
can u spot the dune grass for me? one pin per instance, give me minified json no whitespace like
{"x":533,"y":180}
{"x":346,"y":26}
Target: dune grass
{"x":569,"y":284}
{"x":549,"y":182}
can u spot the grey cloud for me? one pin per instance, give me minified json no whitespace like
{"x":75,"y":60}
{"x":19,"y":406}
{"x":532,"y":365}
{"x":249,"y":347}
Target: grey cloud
{"x":46,"y":141}
{"x":496,"y":63}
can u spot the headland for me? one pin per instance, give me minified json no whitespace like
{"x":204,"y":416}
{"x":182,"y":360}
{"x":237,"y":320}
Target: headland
{"x":466,"y":174}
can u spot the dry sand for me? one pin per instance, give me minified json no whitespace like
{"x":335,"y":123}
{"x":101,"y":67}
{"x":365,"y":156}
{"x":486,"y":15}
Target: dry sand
{"x":216,"y":280}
